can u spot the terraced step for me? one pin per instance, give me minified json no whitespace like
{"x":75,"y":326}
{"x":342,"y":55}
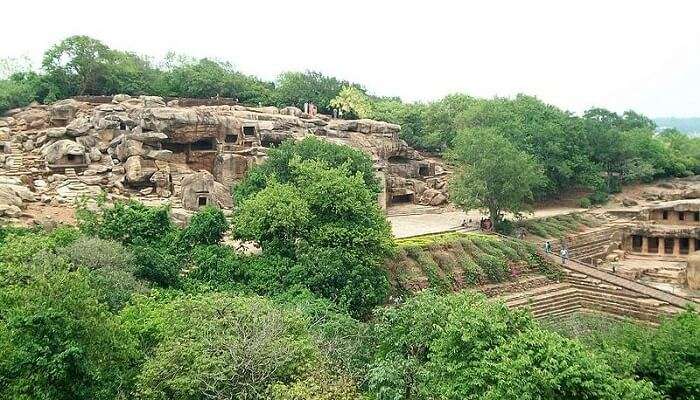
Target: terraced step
{"x":534,"y":292}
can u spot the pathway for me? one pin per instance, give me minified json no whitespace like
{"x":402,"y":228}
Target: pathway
{"x":421,"y":224}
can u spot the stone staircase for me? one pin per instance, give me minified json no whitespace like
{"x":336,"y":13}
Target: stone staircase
{"x":72,"y":189}
{"x":591,"y":245}
{"x":552,"y":300}
{"x":587,"y":289}
{"x":15,"y":160}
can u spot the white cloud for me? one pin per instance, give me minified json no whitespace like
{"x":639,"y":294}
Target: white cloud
{"x":621,"y":54}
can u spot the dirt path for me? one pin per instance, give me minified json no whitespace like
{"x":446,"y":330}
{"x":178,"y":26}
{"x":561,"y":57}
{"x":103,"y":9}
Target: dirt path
{"x":421,"y":224}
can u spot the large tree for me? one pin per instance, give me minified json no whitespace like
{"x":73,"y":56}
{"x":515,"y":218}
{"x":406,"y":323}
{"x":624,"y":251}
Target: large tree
{"x":491,"y":173}
{"x":325,"y":225}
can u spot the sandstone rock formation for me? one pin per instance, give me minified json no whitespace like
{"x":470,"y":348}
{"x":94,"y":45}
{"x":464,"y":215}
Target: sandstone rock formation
{"x":141,"y":147}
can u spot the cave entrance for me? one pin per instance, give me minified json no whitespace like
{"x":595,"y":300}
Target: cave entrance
{"x":231,"y":138}
{"x":402,"y":198}
{"x":637,"y":243}
{"x":398,"y":160}
{"x":204,"y":144}
{"x":653,"y":245}
{"x":249,"y":131}
{"x":175,"y":147}
{"x":423,"y":170}
{"x":684,"y":245}
{"x":668,"y":245}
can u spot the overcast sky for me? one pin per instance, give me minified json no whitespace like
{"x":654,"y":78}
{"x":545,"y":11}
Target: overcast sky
{"x":618,"y":54}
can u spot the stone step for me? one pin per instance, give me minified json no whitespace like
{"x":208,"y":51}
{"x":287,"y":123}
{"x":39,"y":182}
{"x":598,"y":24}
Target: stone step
{"x":535,"y":291}
{"x":570,"y":299}
{"x":559,"y":312}
{"x":542,"y":296}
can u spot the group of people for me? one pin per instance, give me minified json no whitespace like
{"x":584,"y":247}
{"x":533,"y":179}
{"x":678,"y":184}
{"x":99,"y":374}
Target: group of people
{"x":563,"y":251}
{"x":310,"y":108}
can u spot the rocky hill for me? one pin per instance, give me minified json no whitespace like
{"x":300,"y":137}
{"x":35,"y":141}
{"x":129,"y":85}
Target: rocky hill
{"x":184,"y":152}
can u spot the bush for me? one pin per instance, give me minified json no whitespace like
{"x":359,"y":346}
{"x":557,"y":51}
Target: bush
{"x":158,"y":263}
{"x":207,"y":226}
{"x":585,"y":202}
{"x":505,"y":227}
{"x":133,"y":222}
{"x":110,"y":269}
{"x":598,"y":197}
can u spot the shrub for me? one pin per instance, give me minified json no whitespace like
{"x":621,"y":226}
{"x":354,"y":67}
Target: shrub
{"x":598,"y":197}
{"x":585,"y":202}
{"x":158,"y":263}
{"x":207,"y":226}
{"x":110,"y":268}
{"x":134,"y":222}
{"x":505,"y":227}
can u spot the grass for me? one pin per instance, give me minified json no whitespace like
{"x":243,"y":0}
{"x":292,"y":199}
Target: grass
{"x":558,"y":226}
{"x":449,"y":261}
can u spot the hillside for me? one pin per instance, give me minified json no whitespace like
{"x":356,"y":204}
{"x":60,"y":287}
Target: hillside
{"x":686,"y":125}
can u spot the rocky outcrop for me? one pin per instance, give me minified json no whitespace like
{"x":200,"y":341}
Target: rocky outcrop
{"x":141,"y":146}
{"x":200,"y":189}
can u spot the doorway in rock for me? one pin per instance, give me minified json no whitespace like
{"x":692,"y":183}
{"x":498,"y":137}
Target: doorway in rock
{"x":684,"y":245}
{"x":636,"y":243}
{"x":202,"y":201}
{"x":653,"y":245}
{"x":402,"y":198}
{"x":423,"y":170}
{"x":204,"y":144}
{"x":668,"y":245}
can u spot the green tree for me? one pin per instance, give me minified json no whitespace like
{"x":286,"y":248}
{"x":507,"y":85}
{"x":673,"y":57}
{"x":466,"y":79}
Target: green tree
{"x":218,"y":346}
{"x":297,"y":88}
{"x":353,"y":102}
{"x":491,"y":173}
{"x":277,"y":165}
{"x":327,"y":223}
{"x":58,"y":341}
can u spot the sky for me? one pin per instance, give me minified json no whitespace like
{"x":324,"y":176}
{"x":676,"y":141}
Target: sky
{"x":618,"y":54}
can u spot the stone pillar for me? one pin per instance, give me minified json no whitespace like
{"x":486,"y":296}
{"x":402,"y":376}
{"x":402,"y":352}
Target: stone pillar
{"x":676,"y":247}
{"x":662,"y":246}
{"x":645,"y":245}
{"x":691,"y":245}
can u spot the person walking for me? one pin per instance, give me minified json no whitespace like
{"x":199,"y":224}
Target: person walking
{"x":547,"y":247}
{"x":563,"y":254}
{"x":306,"y":107}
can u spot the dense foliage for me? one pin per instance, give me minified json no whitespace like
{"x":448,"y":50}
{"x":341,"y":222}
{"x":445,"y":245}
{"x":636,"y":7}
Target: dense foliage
{"x":67,"y":332}
{"x":599,"y":150}
{"x":668,"y":356}
{"x":319,"y":218}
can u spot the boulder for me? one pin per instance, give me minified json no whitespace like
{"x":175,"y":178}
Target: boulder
{"x":129,"y":148}
{"x":293,"y":111}
{"x":10,"y":211}
{"x":627,"y":202}
{"x":56,"y":132}
{"x":160,"y":155}
{"x":147,"y":137}
{"x":692,"y":273}
{"x":201,"y":185}
{"x":152,"y":101}
{"x":54,"y":152}
{"x":118,"y":98}
{"x":79,"y":126}
{"x":139,"y":170}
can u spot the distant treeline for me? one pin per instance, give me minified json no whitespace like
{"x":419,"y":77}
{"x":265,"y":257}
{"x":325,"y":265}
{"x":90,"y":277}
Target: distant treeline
{"x":686,"y":125}
{"x":598,"y":150}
